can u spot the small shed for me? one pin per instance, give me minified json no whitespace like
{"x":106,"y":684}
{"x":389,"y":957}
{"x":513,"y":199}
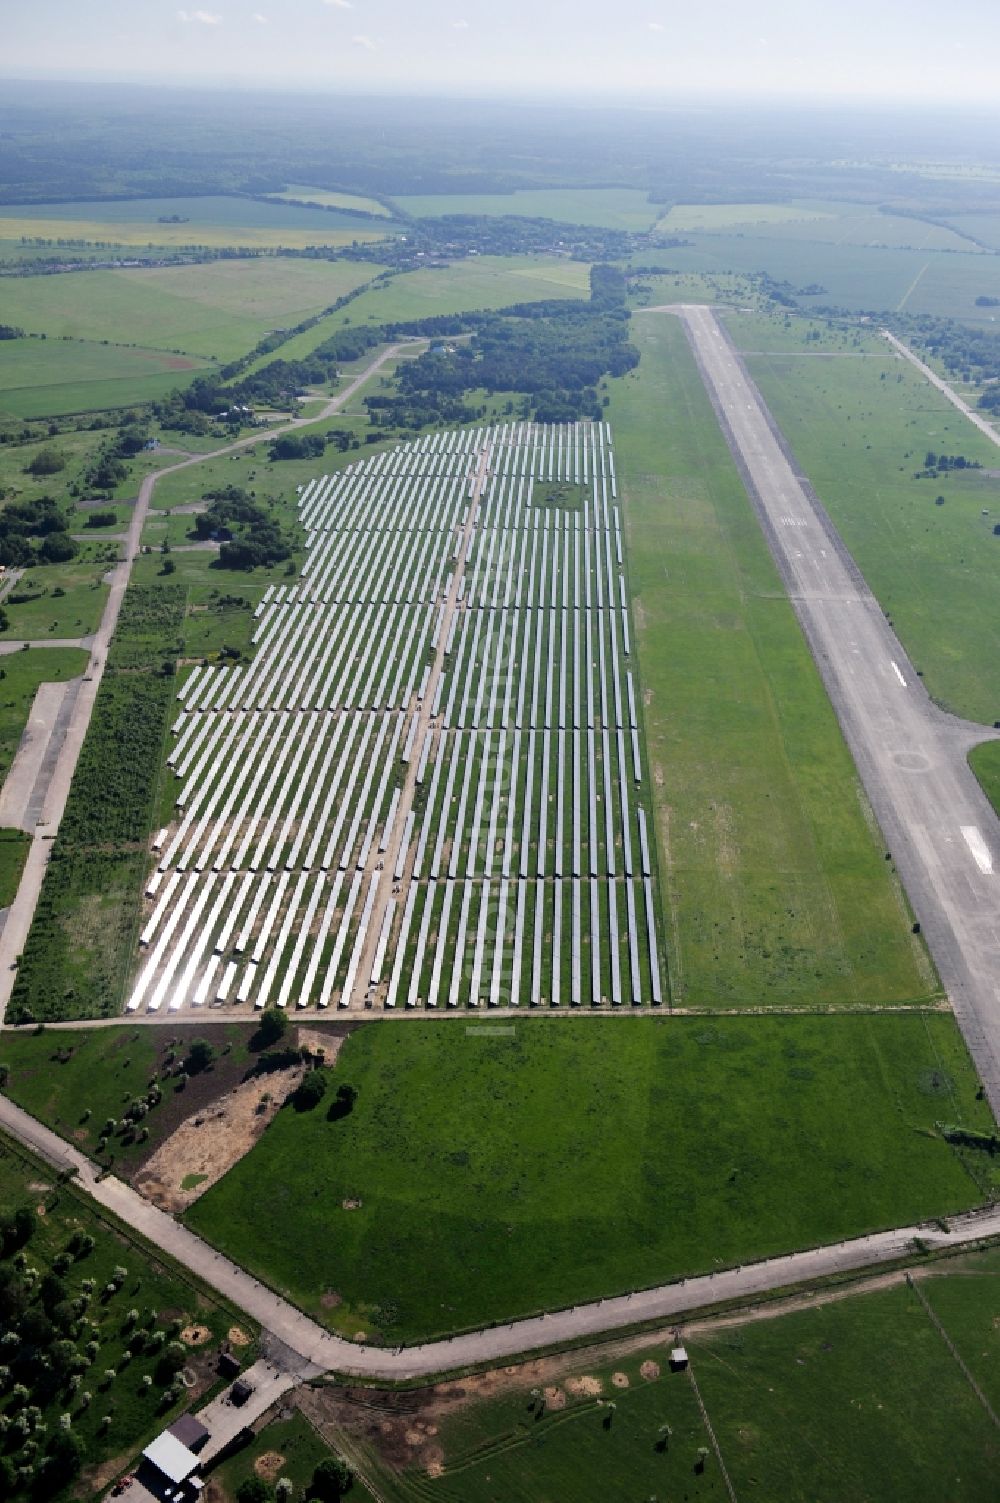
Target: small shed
{"x":678,"y":1359}
{"x":190,"y":1431}
{"x":229,"y":1366}
{"x":171,"y":1458}
{"x":240,"y":1391}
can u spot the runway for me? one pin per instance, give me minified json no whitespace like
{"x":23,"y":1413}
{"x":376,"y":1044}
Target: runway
{"x":938,"y":824}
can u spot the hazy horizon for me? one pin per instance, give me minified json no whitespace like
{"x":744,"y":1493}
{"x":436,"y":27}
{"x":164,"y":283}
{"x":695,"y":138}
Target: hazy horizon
{"x":892,"y":53}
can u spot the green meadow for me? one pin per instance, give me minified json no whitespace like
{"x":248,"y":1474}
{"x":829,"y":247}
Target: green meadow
{"x":773,"y":873}
{"x":823,"y":1405}
{"x":217,"y":310}
{"x":53,"y":377}
{"x":481,"y":1177}
{"x":608,"y":208}
{"x":985,"y":762}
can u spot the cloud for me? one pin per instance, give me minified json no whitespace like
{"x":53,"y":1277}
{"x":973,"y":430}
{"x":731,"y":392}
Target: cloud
{"x":261,"y":20}
{"x":203,"y":17}
{"x":365,"y":42}
{"x":656,"y":26}
{"x":340,"y":4}
{"x":460,"y":25}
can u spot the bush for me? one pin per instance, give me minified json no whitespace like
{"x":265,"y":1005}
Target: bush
{"x":331,"y":1479}
{"x":253,"y":1490}
{"x":199,"y":1057}
{"x":272,"y":1027}
{"x":310,"y":1091}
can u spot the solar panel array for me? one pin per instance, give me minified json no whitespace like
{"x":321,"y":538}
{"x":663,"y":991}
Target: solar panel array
{"x":426,"y":788}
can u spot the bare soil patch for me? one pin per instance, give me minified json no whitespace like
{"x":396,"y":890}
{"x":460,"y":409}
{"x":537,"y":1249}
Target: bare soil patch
{"x":208,"y":1143}
{"x":238,"y":1337}
{"x":619,"y":1380}
{"x":650,"y":1371}
{"x":268,"y":1467}
{"x":585,"y":1386}
{"x":554,"y":1397}
{"x":330,"y":1300}
{"x":195,"y":1335}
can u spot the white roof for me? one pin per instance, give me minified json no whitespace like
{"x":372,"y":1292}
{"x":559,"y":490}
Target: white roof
{"x":170,"y":1457}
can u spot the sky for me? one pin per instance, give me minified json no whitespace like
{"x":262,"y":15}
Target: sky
{"x":635,"y":50}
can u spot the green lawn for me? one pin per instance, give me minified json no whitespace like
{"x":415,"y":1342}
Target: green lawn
{"x":20,"y":675}
{"x":50,"y":377}
{"x":846,"y":1402}
{"x":165,"y":1299}
{"x":498,"y":1176}
{"x":216,"y":310}
{"x":985,"y":763}
{"x":861,"y":429}
{"x":610,"y":208}
{"x":774,"y":877}
{"x":294,"y":1440}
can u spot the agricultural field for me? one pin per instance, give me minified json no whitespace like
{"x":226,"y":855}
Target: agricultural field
{"x":773,"y":877}
{"x":109,"y":1314}
{"x":51,"y":378}
{"x":586,"y":1157}
{"x":210,"y":221}
{"x":218,"y":310}
{"x":608,"y":208}
{"x":484,"y":744}
{"x":350,"y":202}
{"x":839,"y":224}
{"x":861,"y":430}
{"x":480,"y":282}
{"x":14,"y":845}
{"x":858,"y":278}
{"x":985,"y":762}
{"x":820,"y":1403}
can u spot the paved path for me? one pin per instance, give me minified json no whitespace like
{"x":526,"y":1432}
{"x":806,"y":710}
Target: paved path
{"x":329,"y":1353}
{"x":21,"y":911}
{"x":943,"y":387}
{"x":940,"y":827}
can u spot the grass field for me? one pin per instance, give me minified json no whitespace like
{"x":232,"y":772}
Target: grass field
{"x":861,"y":429}
{"x":74,"y":613}
{"x":841,"y":224}
{"x":480,"y":282}
{"x":575,"y":1160}
{"x":213,"y":220}
{"x":14,"y":846}
{"x":609,"y":208}
{"x":774,"y":878}
{"x":49,"y":378}
{"x":294,"y":1440}
{"x":20,"y":675}
{"x":985,"y":762}
{"x":860,"y":278}
{"x":327,"y":200}
{"x":829,"y":1403}
{"x":217,"y":310}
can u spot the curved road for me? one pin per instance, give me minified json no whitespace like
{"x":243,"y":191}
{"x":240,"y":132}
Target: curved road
{"x":22,"y":910}
{"x":323,"y":1352}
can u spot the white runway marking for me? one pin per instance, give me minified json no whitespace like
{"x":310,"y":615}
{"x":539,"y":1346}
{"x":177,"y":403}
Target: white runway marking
{"x":980,"y":850}
{"x":895,"y":669}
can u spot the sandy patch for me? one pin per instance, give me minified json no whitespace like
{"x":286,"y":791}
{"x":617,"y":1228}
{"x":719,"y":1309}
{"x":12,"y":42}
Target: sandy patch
{"x":360,"y":1336}
{"x":586,"y":1387}
{"x":619,"y":1380}
{"x":350,"y":1204}
{"x":435,"y":1464}
{"x":39,"y":1187}
{"x":330,"y":1300}
{"x":268,"y":1467}
{"x":650,"y":1371}
{"x":657,"y":774}
{"x":238,"y":1337}
{"x":195,"y":1335}
{"x":554,"y":1397}
{"x":317,"y":1040}
{"x":208,"y":1144}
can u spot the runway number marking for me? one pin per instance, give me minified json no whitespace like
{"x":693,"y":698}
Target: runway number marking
{"x":895,"y":669}
{"x":980,"y":850}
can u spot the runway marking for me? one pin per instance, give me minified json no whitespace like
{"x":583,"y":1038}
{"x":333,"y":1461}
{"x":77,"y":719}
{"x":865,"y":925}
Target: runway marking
{"x":895,"y":669}
{"x":980,"y":850}
{"x":794,"y":522}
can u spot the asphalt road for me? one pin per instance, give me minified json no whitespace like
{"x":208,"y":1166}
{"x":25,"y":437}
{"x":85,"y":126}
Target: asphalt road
{"x":53,"y":801}
{"x":938,"y":824}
